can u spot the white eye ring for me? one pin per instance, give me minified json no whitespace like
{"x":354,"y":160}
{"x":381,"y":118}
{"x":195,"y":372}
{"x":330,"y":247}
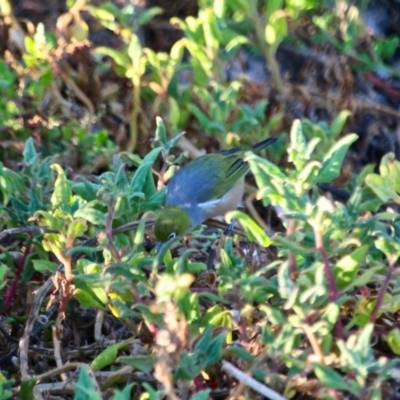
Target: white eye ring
{"x":172,"y":235}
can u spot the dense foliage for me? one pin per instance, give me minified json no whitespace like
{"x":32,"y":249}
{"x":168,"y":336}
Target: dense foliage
{"x":301,"y":302}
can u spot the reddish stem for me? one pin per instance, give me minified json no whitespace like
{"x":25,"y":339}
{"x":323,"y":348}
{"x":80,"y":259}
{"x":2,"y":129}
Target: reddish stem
{"x":381,"y":84}
{"x":292,"y":257}
{"x":333,"y":292}
{"x":10,"y":293}
{"x":319,"y":244}
{"x":382,"y":292}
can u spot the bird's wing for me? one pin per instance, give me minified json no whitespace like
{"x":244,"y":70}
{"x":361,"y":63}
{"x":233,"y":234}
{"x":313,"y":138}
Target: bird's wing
{"x":191,"y":185}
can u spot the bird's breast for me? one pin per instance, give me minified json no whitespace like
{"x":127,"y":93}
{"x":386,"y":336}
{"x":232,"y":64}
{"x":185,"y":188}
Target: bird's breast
{"x":228,"y":202}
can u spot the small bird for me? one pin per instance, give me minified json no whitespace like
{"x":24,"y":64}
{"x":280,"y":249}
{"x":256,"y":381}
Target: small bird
{"x":206,"y":187}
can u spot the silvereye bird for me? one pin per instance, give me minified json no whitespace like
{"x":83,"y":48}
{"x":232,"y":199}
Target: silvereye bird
{"x":207,"y":187}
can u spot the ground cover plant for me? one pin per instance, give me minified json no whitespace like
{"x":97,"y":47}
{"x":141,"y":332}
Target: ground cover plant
{"x":101,"y":103}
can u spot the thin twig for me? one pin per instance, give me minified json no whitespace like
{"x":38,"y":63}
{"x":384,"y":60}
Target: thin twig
{"x":77,"y":91}
{"x":25,"y":229}
{"x":98,"y":337}
{"x":186,"y":145}
{"x":314,"y":342}
{"x":57,"y":352}
{"x":33,"y":315}
{"x":57,"y":371}
{"x":253,"y":212}
{"x":231,"y":370}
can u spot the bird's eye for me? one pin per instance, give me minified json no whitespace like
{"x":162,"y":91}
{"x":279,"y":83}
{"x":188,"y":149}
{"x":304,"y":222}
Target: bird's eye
{"x":172,"y":235}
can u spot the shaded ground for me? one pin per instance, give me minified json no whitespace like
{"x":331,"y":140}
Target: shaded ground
{"x":319,"y":83}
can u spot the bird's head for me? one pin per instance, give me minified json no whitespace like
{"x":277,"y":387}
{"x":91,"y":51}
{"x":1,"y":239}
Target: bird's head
{"x":173,"y":221}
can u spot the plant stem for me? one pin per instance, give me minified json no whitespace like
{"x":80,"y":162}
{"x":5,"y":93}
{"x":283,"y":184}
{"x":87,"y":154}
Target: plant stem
{"x":319,"y":245}
{"x":268,"y":51}
{"x":333,"y":292}
{"x":10,"y":293}
{"x":134,"y":120}
{"x":382,"y":292}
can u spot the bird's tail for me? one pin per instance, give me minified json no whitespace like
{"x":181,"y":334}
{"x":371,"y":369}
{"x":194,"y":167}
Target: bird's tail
{"x":262,"y":145}
{"x":257,"y":147}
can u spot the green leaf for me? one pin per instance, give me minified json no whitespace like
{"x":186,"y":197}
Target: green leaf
{"x":76,"y":228}
{"x":119,"y":57}
{"x":143,"y":180}
{"x":276,"y":30}
{"x":330,"y":378}
{"x":264,"y":170}
{"x":212,"y":34}
{"x":44,"y":265}
{"x":243,"y":6}
{"x":35,"y":200}
{"x":202,"y":395}
{"x":121,"y":180}
{"x":161,"y":133}
{"x":86,"y":190}
{"x":242,"y":353}
{"x":51,"y":221}
{"x":364,"y":278}
{"x":284,"y":242}
{"x":4,"y":393}
{"x":135,"y":52}
{"x":85,"y":388}
{"x":252,"y":229}
{"x":393,"y":167}
{"x":236,"y":43}
{"x":62,"y":194}
{"x":363,"y":344}
{"x":386,"y":185}
{"x":26,"y":390}
{"x":393,"y":340}
{"x":347,"y":267}
{"x":125,"y":394}
{"x":208,"y":351}
{"x":215,"y":350}
{"x":187,"y":368}
{"x":339,"y":122}
{"x":17,"y":179}
{"x":3,"y":281}
{"x":147,"y":15}
{"x":87,"y":300}
{"x":30,"y":155}
{"x":271,"y":6}
{"x":141,"y":363}
{"x":153,"y":394}
{"x":332,"y":162}
{"x":298,"y":146}
{"x":92,"y":213}
{"x":108,"y":356}
{"x":174,"y":112}
{"x":101,"y":13}
{"x":19,"y":207}
{"x":388,"y":246}
{"x":382,"y":187}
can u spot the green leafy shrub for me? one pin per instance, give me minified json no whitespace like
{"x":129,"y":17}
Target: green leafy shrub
{"x":325,"y":263}
{"x":310,"y":309}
